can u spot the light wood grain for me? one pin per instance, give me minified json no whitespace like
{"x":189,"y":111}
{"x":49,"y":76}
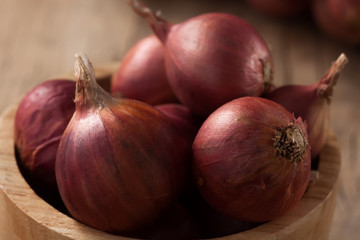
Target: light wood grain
{"x":38,"y":39}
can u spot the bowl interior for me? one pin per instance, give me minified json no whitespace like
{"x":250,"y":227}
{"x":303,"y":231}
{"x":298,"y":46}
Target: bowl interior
{"x":27,"y":216}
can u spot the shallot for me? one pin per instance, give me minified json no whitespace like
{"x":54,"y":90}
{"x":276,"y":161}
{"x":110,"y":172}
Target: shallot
{"x":312,"y":103}
{"x":141,"y":74}
{"x":40,"y":120}
{"x":120,"y":162}
{"x":187,"y":123}
{"x":252,"y":159}
{"x":212,"y":58}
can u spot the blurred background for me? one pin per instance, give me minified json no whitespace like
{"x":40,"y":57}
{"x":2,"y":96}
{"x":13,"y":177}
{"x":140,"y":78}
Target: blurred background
{"x":38,"y":40}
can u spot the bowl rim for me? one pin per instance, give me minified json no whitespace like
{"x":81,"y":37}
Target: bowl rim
{"x":37,"y":213}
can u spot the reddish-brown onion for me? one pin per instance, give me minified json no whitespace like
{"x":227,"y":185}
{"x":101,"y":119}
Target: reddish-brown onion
{"x":212,"y":58}
{"x":187,"y":123}
{"x":280,"y":8}
{"x":40,"y":120}
{"x":120,"y":162}
{"x":312,"y":103}
{"x":339,"y":19}
{"x":252,"y":159}
{"x":141,"y":75}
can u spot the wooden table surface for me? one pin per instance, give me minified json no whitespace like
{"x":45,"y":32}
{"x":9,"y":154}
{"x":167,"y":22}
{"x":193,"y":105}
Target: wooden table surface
{"x":38,"y":40}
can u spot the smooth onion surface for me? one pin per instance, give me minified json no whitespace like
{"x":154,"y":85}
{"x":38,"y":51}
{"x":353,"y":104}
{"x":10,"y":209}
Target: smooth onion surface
{"x":252,"y":159}
{"x":141,"y":74}
{"x":312,"y":103}
{"x":120,"y":162}
{"x":187,"y":123}
{"x":212,"y":58}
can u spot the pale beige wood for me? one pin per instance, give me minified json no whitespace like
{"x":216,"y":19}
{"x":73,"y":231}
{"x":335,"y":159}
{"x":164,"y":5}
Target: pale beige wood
{"x":26,"y":216}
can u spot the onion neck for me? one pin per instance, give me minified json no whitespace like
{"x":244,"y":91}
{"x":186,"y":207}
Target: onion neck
{"x":290,"y":143}
{"x":88,"y":92}
{"x":328,"y":81}
{"x":159,"y":26}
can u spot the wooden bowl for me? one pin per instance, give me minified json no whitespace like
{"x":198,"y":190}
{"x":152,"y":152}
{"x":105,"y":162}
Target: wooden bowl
{"x":24,"y":215}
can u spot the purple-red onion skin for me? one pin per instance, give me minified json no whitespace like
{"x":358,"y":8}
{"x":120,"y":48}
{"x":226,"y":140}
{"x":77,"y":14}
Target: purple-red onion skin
{"x":40,"y":120}
{"x":141,"y":75}
{"x":182,"y":117}
{"x":134,"y":168}
{"x":280,"y":8}
{"x":120,"y":162}
{"x":239,"y":171}
{"x":305,"y":102}
{"x":188,"y":125}
{"x":340,"y":19}
{"x":214,"y":58}
{"x":312,"y":103}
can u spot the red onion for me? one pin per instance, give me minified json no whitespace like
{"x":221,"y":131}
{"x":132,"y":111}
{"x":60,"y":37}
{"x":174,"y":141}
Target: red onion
{"x":280,"y":8}
{"x":252,"y":159}
{"x":187,"y":123}
{"x":340,"y":19}
{"x":212,"y":58}
{"x":40,"y":120}
{"x":120,"y":162}
{"x":312,"y":103}
{"x":142,"y":75}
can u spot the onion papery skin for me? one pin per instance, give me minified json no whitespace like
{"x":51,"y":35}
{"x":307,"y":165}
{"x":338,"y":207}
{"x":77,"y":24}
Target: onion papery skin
{"x":40,"y":120}
{"x":238,"y":165}
{"x":212,"y":58}
{"x":280,"y":8}
{"x":339,"y":19}
{"x":312,"y":103}
{"x":141,"y":75}
{"x":313,"y":109}
{"x":188,"y":125}
{"x":120,"y":162}
{"x":182,"y":117}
